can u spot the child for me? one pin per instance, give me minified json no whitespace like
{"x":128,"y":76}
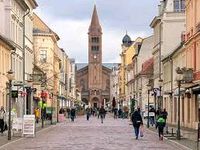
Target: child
{"x":160,"y":125}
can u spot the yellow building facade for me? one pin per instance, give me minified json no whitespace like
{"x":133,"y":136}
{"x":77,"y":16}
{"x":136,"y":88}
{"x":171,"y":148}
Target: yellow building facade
{"x":46,"y":57}
{"x":5,"y":58}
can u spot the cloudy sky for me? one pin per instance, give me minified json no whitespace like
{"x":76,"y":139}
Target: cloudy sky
{"x":70,"y":19}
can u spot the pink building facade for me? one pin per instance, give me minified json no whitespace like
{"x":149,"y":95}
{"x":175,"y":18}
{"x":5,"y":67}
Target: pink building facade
{"x":192,"y":49}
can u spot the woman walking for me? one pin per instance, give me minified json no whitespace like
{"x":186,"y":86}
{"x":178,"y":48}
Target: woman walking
{"x":160,"y":125}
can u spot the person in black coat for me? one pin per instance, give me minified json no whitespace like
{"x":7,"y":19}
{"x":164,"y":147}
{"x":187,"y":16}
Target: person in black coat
{"x":73,"y":113}
{"x":137,"y":121}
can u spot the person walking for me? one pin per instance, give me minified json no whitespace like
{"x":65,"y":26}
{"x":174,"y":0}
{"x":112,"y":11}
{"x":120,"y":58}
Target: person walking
{"x":88,"y":113}
{"x":152,"y":116}
{"x":102,"y":112}
{"x":98,"y":112}
{"x":37,"y":114}
{"x":73,"y":113}
{"x":160,"y":124}
{"x":165,"y":114}
{"x":2,"y":117}
{"x":137,"y":122}
{"x":115,"y":113}
{"x":68,"y":112}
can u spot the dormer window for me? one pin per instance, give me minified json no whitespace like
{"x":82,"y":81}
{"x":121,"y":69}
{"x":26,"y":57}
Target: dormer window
{"x":179,"y":5}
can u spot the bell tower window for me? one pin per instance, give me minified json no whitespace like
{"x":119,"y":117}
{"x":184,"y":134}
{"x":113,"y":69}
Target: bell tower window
{"x":95,"y":39}
{"x":95,"y":48}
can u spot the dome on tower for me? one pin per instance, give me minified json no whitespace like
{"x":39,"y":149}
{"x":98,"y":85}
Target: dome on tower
{"x":126,"y":39}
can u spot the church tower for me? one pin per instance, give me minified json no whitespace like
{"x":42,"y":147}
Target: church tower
{"x":95,"y":59}
{"x":95,"y":52}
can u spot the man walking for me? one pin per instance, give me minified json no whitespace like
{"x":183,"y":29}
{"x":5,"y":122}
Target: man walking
{"x":102,"y":112}
{"x":137,"y":121}
{"x":73,"y":113}
{"x":88,"y":113}
{"x":2,"y":115}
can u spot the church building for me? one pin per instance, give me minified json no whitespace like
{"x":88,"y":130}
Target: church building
{"x":93,"y":80}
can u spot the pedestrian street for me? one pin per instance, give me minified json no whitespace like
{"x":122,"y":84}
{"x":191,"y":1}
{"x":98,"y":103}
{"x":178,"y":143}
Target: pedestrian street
{"x":112,"y":134}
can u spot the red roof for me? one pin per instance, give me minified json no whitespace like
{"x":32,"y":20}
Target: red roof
{"x":147,"y":67}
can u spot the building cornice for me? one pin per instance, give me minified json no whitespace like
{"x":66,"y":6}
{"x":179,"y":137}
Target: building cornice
{"x":155,"y":21}
{"x":33,"y":4}
{"x":22,"y":4}
{"x":9,"y":43}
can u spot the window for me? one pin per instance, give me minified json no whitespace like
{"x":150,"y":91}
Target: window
{"x":43,"y":56}
{"x":95,"y":40}
{"x":95,"y":48}
{"x":179,"y":5}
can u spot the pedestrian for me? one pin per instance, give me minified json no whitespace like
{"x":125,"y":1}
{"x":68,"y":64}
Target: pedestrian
{"x":68,"y":112}
{"x":2,"y":117}
{"x":152,"y":116}
{"x":137,"y":122}
{"x":88,"y":113}
{"x":73,"y":113}
{"x":160,"y":124}
{"x":102,"y":112}
{"x":37,"y":112}
{"x":120,"y":113}
{"x":98,"y":112}
{"x":115,"y":113}
{"x":165,"y":114}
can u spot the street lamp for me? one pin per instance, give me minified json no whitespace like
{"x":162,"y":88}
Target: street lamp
{"x":160,"y":83}
{"x":10,"y":76}
{"x":149,"y":89}
{"x":179,"y":79}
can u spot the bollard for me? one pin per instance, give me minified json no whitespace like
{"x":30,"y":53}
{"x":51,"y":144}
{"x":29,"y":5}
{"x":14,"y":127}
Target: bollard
{"x":172,"y":132}
{"x":198,"y":136}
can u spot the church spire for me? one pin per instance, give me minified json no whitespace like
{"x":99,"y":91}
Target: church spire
{"x":95,"y":20}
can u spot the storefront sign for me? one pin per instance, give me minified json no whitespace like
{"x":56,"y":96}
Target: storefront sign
{"x":29,"y":125}
{"x":17,"y":124}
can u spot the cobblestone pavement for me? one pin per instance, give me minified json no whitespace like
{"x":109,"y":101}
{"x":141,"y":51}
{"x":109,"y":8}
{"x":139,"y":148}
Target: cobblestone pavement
{"x":91,"y":135}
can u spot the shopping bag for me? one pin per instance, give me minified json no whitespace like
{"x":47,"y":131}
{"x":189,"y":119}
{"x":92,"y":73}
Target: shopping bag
{"x":141,"y":131}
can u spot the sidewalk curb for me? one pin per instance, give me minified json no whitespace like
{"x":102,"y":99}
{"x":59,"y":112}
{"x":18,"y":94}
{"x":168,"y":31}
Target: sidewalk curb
{"x":174,"y":142}
{"x":21,"y":138}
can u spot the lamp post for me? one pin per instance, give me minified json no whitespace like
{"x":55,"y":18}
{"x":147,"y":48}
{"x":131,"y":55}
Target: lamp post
{"x":179,"y":97}
{"x":160,"y":82}
{"x":10,"y":77}
{"x":149,"y":89}
{"x":179,"y":71}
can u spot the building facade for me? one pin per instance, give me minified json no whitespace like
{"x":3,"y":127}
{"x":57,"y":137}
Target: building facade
{"x":46,"y":57}
{"x":171,"y":19}
{"x":16,"y":25}
{"x":6,"y":48}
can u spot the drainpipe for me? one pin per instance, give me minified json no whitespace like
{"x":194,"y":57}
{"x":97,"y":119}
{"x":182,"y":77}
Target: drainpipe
{"x":171,"y":97}
{"x":24,"y":60}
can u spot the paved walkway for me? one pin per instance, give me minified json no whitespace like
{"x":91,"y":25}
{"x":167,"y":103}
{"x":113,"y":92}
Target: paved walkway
{"x":4,"y":138}
{"x":91,"y":135}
